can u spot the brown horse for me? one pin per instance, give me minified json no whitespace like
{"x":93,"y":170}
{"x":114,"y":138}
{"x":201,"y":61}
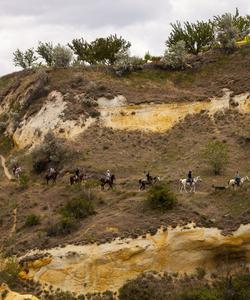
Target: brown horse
{"x":105,"y":181}
{"x":76,"y":179}
{"x":52,"y":177}
{"x":148,"y":181}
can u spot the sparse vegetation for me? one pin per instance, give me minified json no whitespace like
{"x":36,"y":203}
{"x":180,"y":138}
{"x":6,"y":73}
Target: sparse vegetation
{"x":161,"y":197}
{"x":9,"y":270}
{"x":32,"y":220}
{"x":125,"y":63}
{"x":23,"y":180}
{"x":216,"y":155}
{"x":150,"y":287}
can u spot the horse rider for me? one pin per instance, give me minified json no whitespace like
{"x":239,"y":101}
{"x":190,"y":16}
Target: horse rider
{"x":77,"y":173}
{"x":108,"y":175}
{"x":52,"y":171}
{"x":149,"y":177}
{"x":14,"y":168}
{"x":237,"y":178}
{"x":190,"y":177}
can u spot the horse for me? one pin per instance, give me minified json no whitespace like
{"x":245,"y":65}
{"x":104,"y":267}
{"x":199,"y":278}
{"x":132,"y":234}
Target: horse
{"x":184,"y":183}
{"x":52,"y":177}
{"x":148,"y":181}
{"x":232,"y":182}
{"x":16,"y":172}
{"x":76,"y":179}
{"x":105,"y":180}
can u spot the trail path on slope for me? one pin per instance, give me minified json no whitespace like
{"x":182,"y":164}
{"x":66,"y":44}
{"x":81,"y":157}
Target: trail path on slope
{"x":9,"y":177}
{"x":6,"y":171}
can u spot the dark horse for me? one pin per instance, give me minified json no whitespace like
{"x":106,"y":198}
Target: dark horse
{"x":76,"y":179}
{"x":105,"y":181}
{"x":52,"y":177}
{"x":150,"y":180}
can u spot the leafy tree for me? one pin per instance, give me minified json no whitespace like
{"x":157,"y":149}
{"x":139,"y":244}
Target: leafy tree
{"x":46,"y":51}
{"x":176,"y":55}
{"x":197,"y":36}
{"x":83,"y":50}
{"x":216,"y":155}
{"x":101,"y":50}
{"x":147,"y":56}
{"x":62,"y":56}
{"x":227,"y":32}
{"x":242,"y":23}
{"x":26,"y":59}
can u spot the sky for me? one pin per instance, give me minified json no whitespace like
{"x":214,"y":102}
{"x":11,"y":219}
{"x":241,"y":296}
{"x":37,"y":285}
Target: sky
{"x":145,"y":23}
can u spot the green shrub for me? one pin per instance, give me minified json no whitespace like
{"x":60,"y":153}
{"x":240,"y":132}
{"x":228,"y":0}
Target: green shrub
{"x":125,"y":63}
{"x":227,"y":32}
{"x":62,"y":56}
{"x":176,"y":55}
{"x":216,"y":155}
{"x":9,"y":270}
{"x":143,"y":287}
{"x":52,"y":151}
{"x":78,"y":208}
{"x":202,"y":294}
{"x":6,"y":144}
{"x":65,"y":226}
{"x":161,"y":197}
{"x":23,"y":180}
{"x":32,"y":220}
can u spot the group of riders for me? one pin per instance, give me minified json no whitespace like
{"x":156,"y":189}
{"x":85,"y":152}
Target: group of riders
{"x":16,"y":169}
{"x":237,"y":178}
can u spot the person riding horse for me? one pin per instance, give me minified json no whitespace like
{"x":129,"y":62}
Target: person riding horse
{"x":108,"y":175}
{"x":51,"y":171}
{"x":77,"y":173}
{"x":149,"y":177}
{"x":16,"y":169}
{"x":190,"y":177}
{"x":237,"y":178}
{"x":108,"y":178}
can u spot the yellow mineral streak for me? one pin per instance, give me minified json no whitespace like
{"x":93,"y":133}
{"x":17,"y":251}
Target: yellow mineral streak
{"x":96,"y":268}
{"x":7,"y":294}
{"x":161,"y":117}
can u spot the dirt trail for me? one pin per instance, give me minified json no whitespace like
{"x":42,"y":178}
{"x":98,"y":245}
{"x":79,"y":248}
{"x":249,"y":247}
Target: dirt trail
{"x":9,"y":177}
{"x":6,"y":171}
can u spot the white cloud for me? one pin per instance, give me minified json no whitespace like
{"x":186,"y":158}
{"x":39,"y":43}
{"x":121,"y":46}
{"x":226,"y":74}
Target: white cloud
{"x":143,"y":22}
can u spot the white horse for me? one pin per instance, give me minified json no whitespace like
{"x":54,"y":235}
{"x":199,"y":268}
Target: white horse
{"x":184,"y":183}
{"x":232,"y":182}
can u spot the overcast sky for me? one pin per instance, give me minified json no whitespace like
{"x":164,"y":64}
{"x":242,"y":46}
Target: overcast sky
{"x":145,"y":23}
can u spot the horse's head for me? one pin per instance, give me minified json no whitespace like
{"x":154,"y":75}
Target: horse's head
{"x":197,"y":179}
{"x":247,"y":178}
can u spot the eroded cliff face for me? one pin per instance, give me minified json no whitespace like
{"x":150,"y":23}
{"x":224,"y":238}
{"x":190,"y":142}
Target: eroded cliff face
{"x":161,"y":117}
{"x":117,"y":114}
{"x":97,"y":268}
